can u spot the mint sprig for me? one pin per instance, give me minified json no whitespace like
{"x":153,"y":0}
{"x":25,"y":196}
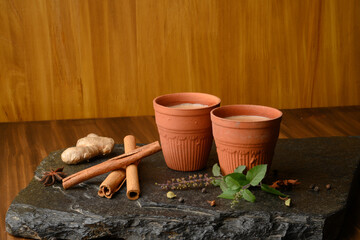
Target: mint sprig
{"x":235,"y":186}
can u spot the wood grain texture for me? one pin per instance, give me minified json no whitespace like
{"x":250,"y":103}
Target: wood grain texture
{"x":23,"y":145}
{"x":66,"y":59}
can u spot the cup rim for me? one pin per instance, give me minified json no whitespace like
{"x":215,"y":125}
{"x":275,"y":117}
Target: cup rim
{"x":159,"y":106}
{"x":216,"y":118}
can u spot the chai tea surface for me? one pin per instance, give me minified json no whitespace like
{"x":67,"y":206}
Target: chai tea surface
{"x":189,"y":105}
{"x":247,"y":118}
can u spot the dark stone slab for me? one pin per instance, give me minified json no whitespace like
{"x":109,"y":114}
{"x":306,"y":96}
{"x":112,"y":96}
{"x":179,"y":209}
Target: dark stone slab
{"x":78,"y":213}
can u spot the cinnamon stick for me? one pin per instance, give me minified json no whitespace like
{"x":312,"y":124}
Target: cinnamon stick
{"x":112,"y":164}
{"x":112,"y":183}
{"x":116,"y":179}
{"x":132,"y":177}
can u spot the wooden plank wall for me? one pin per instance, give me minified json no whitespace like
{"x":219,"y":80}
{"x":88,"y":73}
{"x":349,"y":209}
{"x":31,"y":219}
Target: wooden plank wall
{"x":63,"y":59}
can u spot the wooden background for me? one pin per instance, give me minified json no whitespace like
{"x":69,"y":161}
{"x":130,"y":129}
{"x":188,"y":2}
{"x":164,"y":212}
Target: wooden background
{"x":62,"y":59}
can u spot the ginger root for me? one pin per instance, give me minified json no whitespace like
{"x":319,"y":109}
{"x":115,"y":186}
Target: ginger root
{"x":90,"y":146}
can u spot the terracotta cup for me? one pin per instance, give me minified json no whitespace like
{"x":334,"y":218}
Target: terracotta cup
{"x":245,"y":142}
{"x":185,"y":133}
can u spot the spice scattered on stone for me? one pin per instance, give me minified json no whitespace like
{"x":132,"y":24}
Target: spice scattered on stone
{"x":203,"y":190}
{"x":288,"y":202}
{"x":170,"y":194}
{"x":49,"y":178}
{"x":283,"y":198}
{"x":181,"y":200}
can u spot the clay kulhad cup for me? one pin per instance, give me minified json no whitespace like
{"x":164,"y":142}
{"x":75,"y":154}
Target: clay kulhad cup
{"x":185,"y":133}
{"x":248,"y":143}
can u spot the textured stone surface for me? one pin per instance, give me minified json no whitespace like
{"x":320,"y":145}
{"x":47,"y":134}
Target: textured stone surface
{"x":78,"y":213}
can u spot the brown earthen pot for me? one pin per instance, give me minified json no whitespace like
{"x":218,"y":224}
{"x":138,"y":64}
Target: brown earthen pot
{"x":185,"y":134}
{"x":245,"y":143}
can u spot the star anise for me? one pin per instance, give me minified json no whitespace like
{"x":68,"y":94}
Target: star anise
{"x":49,"y":178}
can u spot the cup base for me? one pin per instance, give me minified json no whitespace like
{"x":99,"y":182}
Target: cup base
{"x":185,"y":152}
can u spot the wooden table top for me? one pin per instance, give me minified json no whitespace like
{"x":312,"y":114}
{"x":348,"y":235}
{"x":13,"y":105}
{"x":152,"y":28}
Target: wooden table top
{"x":23,"y":145}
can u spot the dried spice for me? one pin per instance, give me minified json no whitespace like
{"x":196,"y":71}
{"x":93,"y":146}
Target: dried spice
{"x":49,"y":178}
{"x":111,"y":164}
{"x":170,"y":194}
{"x":193,"y":181}
{"x":285,"y":184}
{"x":288,"y":202}
{"x":284,"y":198}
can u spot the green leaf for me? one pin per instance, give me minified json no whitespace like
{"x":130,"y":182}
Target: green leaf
{"x":216,"y":170}
{"x":239,"y":177}
{"x":223,"y":186}
{"x":232,"y":183}
{"x":271,"y":190}
{"x":256,"y":174}
{"x":216,"y":182}
{"x":228,"y":194}
{"x":240,"y":169}
{"x":247,"y":195}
